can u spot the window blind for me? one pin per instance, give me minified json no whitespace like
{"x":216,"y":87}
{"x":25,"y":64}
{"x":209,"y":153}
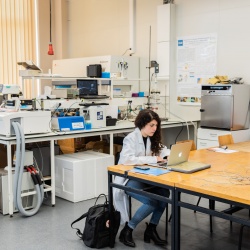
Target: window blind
{"x":17,"y":39}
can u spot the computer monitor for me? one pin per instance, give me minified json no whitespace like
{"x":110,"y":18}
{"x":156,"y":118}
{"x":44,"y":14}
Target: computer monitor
{"x":87,"y":87}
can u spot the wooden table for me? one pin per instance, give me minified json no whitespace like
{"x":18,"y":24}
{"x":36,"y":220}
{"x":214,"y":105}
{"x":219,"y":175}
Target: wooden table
{"x":227,"y":181}
{"x":240,"y":146}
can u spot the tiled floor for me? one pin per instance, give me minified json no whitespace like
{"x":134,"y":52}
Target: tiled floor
{"x":50,"y":229}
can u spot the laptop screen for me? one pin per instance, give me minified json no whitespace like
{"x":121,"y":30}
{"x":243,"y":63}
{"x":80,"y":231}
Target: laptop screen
{"x":87,"y":87}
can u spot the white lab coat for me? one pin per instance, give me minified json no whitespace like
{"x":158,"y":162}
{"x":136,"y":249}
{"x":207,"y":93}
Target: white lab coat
{"x":133,"y":153}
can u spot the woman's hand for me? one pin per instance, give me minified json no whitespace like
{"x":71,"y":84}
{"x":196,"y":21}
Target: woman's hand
{"x":160,"y":159}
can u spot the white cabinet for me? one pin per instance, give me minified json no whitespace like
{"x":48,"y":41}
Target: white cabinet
{"x":82,"y":176}
{"x":209,"y":137}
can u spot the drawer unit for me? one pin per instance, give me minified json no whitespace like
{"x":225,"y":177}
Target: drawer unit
{"x":209,"y":137}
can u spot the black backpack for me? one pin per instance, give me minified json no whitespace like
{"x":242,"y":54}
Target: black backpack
{"x":97,"y":232}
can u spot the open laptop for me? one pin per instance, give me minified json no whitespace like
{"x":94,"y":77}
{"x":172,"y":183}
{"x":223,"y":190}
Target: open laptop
{"x":178,"y":159}
{"x":88,"y":89}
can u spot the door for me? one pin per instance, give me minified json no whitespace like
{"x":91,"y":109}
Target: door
{"x":217,"y":111}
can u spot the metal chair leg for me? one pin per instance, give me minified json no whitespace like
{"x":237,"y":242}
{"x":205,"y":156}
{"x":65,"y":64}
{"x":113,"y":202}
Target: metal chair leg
{"x":170,"y":218}
{"x":130,"y":207}
{"x":198,"y":202}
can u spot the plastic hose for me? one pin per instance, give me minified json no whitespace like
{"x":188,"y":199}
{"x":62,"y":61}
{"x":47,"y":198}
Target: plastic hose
{"x":20,"y":154}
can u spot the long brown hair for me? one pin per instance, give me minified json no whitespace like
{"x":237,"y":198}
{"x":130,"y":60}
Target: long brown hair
{"x":143,"y":118}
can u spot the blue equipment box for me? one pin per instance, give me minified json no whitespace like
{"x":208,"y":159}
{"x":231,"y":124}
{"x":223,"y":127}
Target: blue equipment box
{"x":71,"y":123}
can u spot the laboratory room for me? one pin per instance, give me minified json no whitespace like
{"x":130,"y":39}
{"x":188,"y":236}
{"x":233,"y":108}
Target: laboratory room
{"x":124,"y":124}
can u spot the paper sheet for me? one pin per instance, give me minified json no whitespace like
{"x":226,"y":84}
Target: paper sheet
{"x":222,"y":150}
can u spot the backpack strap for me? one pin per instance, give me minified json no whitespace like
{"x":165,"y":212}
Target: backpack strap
{"x":103,"y":196}
{"x":78,"y":232}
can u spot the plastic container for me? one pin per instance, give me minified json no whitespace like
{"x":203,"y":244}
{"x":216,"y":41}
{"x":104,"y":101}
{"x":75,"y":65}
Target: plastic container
{"x":105,"y":74}
{"x":88,"y":125}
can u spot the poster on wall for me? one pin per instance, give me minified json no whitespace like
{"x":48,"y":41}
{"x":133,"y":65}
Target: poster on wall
{"x":196,"y":63}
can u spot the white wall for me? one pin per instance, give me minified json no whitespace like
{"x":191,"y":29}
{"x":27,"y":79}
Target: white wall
{"x":229,"y":20}
{"x":102,"y":28}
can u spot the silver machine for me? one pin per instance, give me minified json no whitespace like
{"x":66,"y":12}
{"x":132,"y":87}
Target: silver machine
{"x":225,"y":106}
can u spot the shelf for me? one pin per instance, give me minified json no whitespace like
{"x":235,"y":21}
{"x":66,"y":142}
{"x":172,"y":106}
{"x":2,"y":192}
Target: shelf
{"x":47,"y":188}
{"x":46,"y":178}
{"x":129,"y":97}
{"x":122,"y":84}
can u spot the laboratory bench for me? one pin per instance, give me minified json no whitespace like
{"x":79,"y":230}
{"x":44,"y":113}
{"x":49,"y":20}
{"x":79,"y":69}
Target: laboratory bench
{"x":121,"y":127}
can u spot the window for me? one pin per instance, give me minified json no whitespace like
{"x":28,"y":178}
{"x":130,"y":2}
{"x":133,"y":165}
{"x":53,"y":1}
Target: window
{"x":17,"y":38}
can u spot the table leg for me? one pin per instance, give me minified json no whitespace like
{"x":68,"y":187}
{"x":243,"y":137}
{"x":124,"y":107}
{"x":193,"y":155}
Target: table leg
{"x":110,"y":201}
{"x":52,"y":163}
{"x":176,"y":219}
{"x":10,"y":181}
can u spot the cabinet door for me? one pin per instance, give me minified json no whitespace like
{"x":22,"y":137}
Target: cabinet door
{"x":217,"y":111}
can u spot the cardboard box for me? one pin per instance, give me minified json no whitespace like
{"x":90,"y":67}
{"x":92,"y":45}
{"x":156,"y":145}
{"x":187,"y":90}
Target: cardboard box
{"x":66,"y":150}
{"x":116,"y":148}
{"x":3,"y":154}
{"x":96,"y":146}
{"x":73,"y":145}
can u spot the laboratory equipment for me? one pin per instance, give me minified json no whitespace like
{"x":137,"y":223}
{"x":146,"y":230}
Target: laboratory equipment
{"x":27,"y":185}
{"x":9,"y":89}
{"x":32,"y":122}
{"x":225,"y":106}
{"x":68,"y":123}
{"x":96,"y":114}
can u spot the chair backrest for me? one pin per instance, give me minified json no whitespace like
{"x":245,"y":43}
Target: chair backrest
{"x":225,"y":139}
{"x":193,"y":147}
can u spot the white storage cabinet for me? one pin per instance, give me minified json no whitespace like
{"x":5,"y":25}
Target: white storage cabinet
{"x":82,"y":176}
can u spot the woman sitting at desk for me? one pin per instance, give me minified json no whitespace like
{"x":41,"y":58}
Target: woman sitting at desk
{"x":142,"y":146}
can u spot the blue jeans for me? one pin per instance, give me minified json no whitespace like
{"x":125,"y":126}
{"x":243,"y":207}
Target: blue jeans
{"x":149,"y":205}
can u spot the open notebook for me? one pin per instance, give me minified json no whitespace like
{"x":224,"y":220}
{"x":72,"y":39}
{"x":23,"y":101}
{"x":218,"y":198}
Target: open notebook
{"x":178,"y":159}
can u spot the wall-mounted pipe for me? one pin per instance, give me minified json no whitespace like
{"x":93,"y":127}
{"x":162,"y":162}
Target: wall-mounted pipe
{"x":132,"y":11}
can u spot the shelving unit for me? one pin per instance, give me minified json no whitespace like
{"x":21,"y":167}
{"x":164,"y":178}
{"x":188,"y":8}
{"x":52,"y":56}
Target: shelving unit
{"x":128,"y":86}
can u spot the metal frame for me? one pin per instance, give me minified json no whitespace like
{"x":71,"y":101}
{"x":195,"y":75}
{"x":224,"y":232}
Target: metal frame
{"x":170,"y":200}
{"x":52,"y":137}
{"x":210,"y":211}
